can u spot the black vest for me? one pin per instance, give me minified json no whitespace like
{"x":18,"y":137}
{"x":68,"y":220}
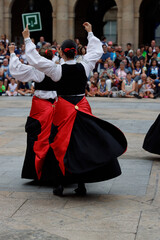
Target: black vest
{"x":72,"y":82}
{"x":46,"y":85}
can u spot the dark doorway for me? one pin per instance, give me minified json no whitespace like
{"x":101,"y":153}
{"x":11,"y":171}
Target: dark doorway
{"x":25,"y":6}
{"x":92,"y":11}
{"x":149,"y":24}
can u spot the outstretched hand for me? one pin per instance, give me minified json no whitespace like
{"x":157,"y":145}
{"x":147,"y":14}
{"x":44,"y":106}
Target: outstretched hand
{"x":26,"y":33}
{"x":88,"y":26}
{"x":11,"y":49}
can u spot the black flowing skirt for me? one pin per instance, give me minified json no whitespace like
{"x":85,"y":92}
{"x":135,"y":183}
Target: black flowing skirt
{"x":93,"y":149}
{"x":152,"y":138}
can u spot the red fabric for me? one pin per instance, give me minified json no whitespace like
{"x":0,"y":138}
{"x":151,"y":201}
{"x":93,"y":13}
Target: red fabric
{"x":64,"y":118}
{"x":43,"y":111}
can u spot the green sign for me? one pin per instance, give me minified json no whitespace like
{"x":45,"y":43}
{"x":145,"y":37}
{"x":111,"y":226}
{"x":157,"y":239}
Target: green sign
{"x":33,"y":20}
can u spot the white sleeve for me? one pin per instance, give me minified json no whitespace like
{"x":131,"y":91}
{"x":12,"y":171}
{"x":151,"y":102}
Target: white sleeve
{"x":23,"y":72}
{"x":94,"y":53}
{"x":52,"y":70}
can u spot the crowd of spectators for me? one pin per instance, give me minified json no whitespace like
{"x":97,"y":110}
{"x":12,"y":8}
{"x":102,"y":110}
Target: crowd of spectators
{"x":118,"y":73}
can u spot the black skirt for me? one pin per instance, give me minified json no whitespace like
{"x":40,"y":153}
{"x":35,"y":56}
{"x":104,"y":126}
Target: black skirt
{"x":152,"y":138}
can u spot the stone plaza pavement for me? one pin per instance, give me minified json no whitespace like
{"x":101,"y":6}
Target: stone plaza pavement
{"x":125,"y":208}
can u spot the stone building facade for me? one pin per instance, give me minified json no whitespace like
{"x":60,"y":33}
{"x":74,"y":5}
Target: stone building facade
{"x":127,"y":18}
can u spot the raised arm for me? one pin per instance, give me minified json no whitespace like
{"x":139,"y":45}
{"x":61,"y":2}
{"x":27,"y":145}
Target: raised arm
{"x":42,"y":64}
{"x":94,"y":50}
{"x":23,"y":72}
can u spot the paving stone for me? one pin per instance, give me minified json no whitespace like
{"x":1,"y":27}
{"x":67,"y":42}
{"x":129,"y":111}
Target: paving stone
{"x":30,"y":235}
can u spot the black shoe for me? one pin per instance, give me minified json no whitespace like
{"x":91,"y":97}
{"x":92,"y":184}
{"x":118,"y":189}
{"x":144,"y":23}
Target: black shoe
{"x":58,"y":191}
{"x":137,"y":96}
{"x":81,"y":190}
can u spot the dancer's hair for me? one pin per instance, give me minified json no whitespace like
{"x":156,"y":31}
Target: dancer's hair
{"x":69,"y":48}
{"x":46,"y":52}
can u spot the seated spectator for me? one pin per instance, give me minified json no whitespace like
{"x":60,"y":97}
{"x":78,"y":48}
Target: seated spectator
{"x":93,"y":89}
{"x":143,"y":66}
{"x":4,"y":40}
{"x":22,"y":54}
{"x":2,"y":88}
{"x":154,"y":73}
{"x":23,"y":89}
{"x":147,"y":88}
{"x":153,"y":45}
{"x":81,"y":51}
{"x":12,"y":88}
{"x":128,"y":87}
{"x":113,"y":54}
{"x":96,"y":77}
{"x":6,"y":74}
{"x":41,"y":40}
{"x":138,"y":57}
{"x":129,"y":47}
{"x":107,"y":73}
{"x":106,"y":56}
{"x":127,"y":66}
{"x":1,"y":74}
{"x":102,"y":88}
{"x":137,"y":71}
{"x":130,"y":57}
{"x":140,"y":82}
{"x":143,"y":52}
{"x":104,"y":41}
{"x":149,"y":56}
{"x":154,"y":56}
{"x":120,"y":75}
{"x":2,"y":56}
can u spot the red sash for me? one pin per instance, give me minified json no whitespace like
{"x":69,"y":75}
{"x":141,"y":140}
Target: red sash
{"x":64,"y":118}
{"x":43,"y":111}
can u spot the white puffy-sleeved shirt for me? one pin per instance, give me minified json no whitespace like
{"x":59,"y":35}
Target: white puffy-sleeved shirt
{"x":54,"y":71}
{"x":27,"y":73}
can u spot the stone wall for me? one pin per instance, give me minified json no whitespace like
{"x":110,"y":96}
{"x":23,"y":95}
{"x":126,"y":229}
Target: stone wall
{"x":64,"y":19}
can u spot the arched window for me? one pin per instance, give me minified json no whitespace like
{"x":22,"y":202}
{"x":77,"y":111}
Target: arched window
{"x":110,"y":27}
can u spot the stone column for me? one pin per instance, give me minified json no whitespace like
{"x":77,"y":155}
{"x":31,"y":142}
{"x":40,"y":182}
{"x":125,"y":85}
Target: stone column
{"x":119,"y":27}
{"x":71,"y":25}
{"x":1,"y":17}
{"x":7,"y":24}
{"x":54,"y":26}
{"x":62,"y":21}
{"x":136,"y":30}
{"x":127,"y":22}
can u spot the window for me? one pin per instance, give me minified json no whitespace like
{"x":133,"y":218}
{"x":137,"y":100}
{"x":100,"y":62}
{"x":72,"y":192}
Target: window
{"x":110,"y":31}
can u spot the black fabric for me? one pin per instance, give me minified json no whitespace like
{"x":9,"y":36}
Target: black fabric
{"x":152,"y":139}
{"x":73,"y":80}
{"x":93,"y":150}
{"x":46,"y":85}
{"x":32,"y":128}
{"x":54,"y":130}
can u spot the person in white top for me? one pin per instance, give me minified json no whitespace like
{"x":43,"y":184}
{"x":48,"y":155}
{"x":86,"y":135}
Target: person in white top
{"x":12,"y":88}
{"x":79,"y":133}
{"x":39,"y":122}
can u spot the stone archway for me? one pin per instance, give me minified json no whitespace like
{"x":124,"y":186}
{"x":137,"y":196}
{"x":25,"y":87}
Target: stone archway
{"x":149,"y":21}
{"x":93,"y":12}
{"x":17,"y":7}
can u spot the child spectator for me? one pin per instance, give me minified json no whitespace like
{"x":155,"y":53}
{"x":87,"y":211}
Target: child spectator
{"x":146,"y":89}
{"x":2,"y":88}
{"x":24,"y":89}
{"x":93,"y":89}
{"x":102,"y":88}
{"x":12,"y":88}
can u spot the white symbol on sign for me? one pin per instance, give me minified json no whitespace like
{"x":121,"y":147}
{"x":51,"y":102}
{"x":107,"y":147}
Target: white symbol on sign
{"x":32,"y":22}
